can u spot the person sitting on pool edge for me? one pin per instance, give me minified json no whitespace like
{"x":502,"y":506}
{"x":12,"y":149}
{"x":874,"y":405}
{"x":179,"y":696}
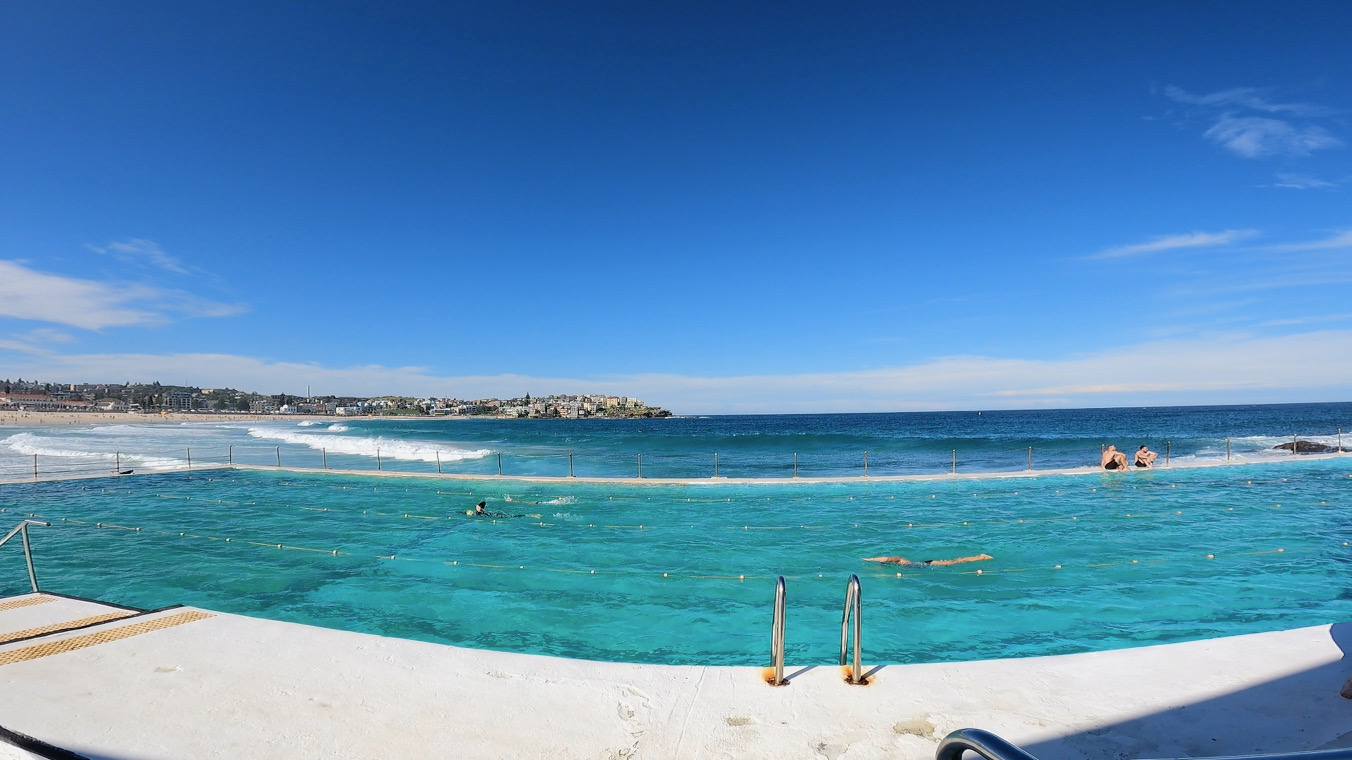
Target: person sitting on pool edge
{"x":929,"y":562}
{"x":1145,"y":457}
{"x":1113,"y":459}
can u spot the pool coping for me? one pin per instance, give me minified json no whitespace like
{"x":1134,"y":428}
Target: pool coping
{"x":709,"y":481}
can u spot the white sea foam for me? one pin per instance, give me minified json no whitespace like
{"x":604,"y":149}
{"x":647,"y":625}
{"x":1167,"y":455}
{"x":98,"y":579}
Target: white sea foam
{"x":413,"y":451}
{"x":29,"y":444}
{"x":307,"y":423}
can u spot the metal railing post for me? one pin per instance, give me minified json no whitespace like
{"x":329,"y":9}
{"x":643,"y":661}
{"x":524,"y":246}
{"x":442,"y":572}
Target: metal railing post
{"x":377,"y":459}
{"x":955,"y":461}
{"x":795,"y":464}
{"x":1294,"y":444}
{"x":866,"y":464}
{"x":715,"y":464}
{"x":570,"y":464}
{"x":117,"y":462}
{"x":35,"y":467}
{"x":640,"y":466}
{"x":230,"y":454}
{"x":438,"y":462}
{"x":499,"y":463}
{"x":22,"y":530}
{"x":777,"y":634}
{"x":1030,"y":457}
{"x":324,"y":459}
{"x":1166,"y":453}
{"x":190,"y":460}
{"x":28,"y":557}
{"x":854,"y":603}
{"x":279,"y":456}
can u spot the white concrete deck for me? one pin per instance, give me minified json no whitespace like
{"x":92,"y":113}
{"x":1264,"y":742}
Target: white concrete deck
{"x":228,"y":686}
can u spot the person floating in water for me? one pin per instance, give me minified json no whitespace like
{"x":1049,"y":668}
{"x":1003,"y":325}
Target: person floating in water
{"x":1113,"y":459}
{"x":929,"y":562}
{"x":1145,"y":457}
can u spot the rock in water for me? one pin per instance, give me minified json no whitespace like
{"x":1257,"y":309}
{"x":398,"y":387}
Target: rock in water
{"x":1307,"y":447}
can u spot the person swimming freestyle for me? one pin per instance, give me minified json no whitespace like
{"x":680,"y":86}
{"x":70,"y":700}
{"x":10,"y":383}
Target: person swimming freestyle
{"x":929,"y":562}
{"x":480,"y":510}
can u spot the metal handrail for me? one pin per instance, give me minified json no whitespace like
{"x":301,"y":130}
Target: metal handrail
{"x":22,"y":530}
{"x":777,"y":634}
{"x":984,"y":743}
{"x":992,"y":747}
{"x":854,"y":602}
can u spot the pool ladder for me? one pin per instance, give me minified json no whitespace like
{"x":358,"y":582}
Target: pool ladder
{"x":854,"y":604}
{"x":21,"y":530}
{"x":991,"y":747}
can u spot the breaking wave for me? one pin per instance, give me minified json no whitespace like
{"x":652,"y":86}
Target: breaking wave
{"x":33,"y":445}
{"x":412,"y":451}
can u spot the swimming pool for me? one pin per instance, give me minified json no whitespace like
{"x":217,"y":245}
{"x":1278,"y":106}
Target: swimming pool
{"x":685,"y":574}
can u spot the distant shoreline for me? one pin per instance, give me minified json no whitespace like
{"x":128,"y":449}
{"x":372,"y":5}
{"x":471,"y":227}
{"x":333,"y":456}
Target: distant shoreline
{"x":19,"y":418}
{"x":9,"y":417}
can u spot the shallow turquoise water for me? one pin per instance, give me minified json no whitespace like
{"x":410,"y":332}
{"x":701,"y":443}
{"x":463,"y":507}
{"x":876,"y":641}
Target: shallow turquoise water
{"x":526,"y":584}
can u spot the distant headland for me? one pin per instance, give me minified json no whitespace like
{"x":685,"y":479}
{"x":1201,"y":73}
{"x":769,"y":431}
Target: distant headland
{"x":29,"y":396}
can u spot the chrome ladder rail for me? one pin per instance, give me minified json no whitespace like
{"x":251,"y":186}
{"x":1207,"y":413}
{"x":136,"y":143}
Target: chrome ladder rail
{"x":777,"y":634}
{"x":22,"y":530}
{"x":854,"y":602}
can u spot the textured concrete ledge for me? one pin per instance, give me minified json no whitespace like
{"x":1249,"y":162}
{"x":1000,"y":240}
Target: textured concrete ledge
{"x":939,"y":476}
{"x":234,"y":686}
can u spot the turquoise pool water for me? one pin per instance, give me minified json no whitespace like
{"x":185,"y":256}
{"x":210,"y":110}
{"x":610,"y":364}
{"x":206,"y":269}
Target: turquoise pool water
{"x":685,"y":574}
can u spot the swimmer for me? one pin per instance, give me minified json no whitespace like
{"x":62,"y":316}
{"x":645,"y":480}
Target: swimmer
{"x":1145,"y":457}
{"x":1113,"y":459}
{"x":480,"y":511}
{"x":929,"y":562}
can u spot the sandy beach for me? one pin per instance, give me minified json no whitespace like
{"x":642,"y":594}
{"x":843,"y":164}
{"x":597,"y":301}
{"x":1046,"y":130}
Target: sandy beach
{"x":11,"y":417}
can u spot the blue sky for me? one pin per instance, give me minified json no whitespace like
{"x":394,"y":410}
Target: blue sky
{"x":777,"y":207}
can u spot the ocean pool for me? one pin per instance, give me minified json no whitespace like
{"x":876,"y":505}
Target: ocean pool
{"x":685,"y":574}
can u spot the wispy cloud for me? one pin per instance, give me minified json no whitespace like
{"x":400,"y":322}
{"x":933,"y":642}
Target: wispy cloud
{"x":1315,"y":320}
{"x":46,"y":335}
{"x":1245,"y":122}
{"x":1174,"y":242}
{"x":1254,"y":136}
{"x":1247,"y":97}
{"x":1215,"y":369}
{"x":140,"y":251}
{"x":30,"y":295}
{"x":18,"y":345}
{"x":1302,"y":182}
{"x":1330,"y":243}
